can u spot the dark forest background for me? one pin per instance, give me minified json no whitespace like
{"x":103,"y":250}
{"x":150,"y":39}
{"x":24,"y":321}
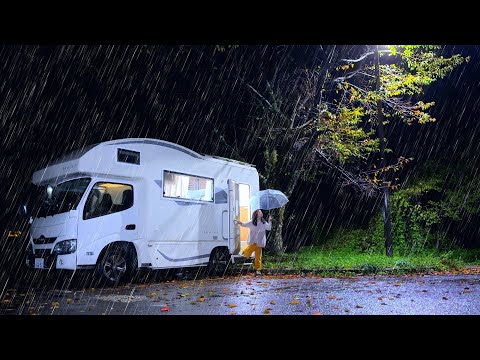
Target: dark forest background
{"x":55,"y":99}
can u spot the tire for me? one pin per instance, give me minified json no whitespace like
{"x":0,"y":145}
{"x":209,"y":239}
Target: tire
{"x":218,"y":263}
{"x":118,"y":263}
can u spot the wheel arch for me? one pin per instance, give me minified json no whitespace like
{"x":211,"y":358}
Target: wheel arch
{"x":130,"y":246}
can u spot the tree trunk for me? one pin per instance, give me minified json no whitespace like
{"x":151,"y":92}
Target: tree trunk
{"x":275,"y":245}
{"x":386,"y":191}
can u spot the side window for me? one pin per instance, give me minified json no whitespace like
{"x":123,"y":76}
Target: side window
{"x":189,"y":187}
{"x":128,"y":156}
{"x":107,"y":198}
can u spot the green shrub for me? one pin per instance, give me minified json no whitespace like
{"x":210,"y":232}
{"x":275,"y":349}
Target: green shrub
{"x":449,"y":261}
{"x":402,"y":263}
{"x":420,"y":212}
{"x":368,"y":269}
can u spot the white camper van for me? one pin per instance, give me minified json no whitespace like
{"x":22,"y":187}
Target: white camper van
{"x":131,"y":203}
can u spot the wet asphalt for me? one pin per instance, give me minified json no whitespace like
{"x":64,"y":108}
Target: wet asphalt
{"x":257,"y":295}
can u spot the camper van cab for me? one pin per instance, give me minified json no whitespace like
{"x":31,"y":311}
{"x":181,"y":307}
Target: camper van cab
{"x":140,"y":203}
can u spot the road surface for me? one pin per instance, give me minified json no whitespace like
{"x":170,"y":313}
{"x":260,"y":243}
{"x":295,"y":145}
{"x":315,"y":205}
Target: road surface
{"x":262,"y":295}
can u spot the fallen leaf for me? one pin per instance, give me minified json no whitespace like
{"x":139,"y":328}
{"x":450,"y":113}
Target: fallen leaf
{"x":185,"y":295}
{"x":201,"y":299}
{"x":165,"y":308}
{"x":383,"y":303}
{"x":335,"y":307}
{"x":346,"y":310}
{"x":359,"y":307}
{"x":55,"y":305}
{"x":294,"y":302}
{"x":331,"y":297}
{"x":232,"y":305}
{"x":5,"y":301}
{"x":69,"y":300}
{"x":317,"y":313}
{"x":424,"y":290}
{"x":248,"y":283}
{"x":266,"y":312}
{"x":153,"y":294}
{"x":233,"y":313}
{"x":339,"y":298}
{"x":272,"y":302}
{"x":421,"y":282}
{"x":466,"y":291}
{"x":391,"y":298}
{"x":444,"y":298}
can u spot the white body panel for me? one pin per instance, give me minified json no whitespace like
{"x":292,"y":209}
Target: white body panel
{"x":168,"y":232}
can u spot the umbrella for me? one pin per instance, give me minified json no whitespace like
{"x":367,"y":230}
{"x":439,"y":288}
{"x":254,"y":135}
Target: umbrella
{"x":268,"y":199}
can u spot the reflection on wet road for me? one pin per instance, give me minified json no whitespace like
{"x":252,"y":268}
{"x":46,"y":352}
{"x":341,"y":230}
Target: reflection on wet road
{"x":263,"y":295}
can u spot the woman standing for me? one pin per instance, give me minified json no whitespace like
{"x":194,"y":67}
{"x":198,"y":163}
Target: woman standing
{"x":257,"y":239}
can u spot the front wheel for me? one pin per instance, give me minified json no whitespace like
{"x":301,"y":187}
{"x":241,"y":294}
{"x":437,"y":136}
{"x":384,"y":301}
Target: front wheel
{"x":218,"y":263}
{"x":117,"y":264}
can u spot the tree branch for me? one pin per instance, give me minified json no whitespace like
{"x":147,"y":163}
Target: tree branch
{"x":359,"y":59}
{"x":259,"y":95}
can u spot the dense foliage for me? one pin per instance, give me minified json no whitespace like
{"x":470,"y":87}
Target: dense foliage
{"x":426,"y":214}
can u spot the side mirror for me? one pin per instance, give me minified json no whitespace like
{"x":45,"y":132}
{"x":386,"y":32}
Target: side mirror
{"x":22,"y":211}
{"x":73,"y":214}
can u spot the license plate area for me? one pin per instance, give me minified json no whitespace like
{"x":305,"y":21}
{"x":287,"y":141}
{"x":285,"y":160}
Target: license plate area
{"x":39,"y":263}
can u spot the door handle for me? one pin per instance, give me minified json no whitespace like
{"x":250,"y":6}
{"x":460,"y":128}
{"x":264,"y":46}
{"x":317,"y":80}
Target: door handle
{"x":130,"y":227}
{"x":223,"y":212}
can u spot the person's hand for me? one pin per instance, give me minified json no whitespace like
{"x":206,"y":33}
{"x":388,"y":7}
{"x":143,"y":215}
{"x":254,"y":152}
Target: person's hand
{"x":269,"y":218}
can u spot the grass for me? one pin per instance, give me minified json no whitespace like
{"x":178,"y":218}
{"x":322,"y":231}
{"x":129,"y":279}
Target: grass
{"x":320,"y":259}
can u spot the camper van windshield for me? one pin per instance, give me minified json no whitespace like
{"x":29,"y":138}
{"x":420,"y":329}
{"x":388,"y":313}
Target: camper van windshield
{"x":65,"y":197}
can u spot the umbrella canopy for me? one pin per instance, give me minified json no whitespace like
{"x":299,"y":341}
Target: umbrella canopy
{"x":268,"y":199}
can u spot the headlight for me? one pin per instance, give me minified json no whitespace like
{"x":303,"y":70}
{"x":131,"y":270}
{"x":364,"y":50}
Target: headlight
{"x":66,"y":247}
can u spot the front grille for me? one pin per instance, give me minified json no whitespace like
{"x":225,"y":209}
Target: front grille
{"x":44,"y":240}
{"x":43,"y":252}
{"x":49,"y":258}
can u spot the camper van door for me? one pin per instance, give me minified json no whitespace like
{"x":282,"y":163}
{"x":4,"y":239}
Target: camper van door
{"x":233,"y":213}
{"x":110,"y":214}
